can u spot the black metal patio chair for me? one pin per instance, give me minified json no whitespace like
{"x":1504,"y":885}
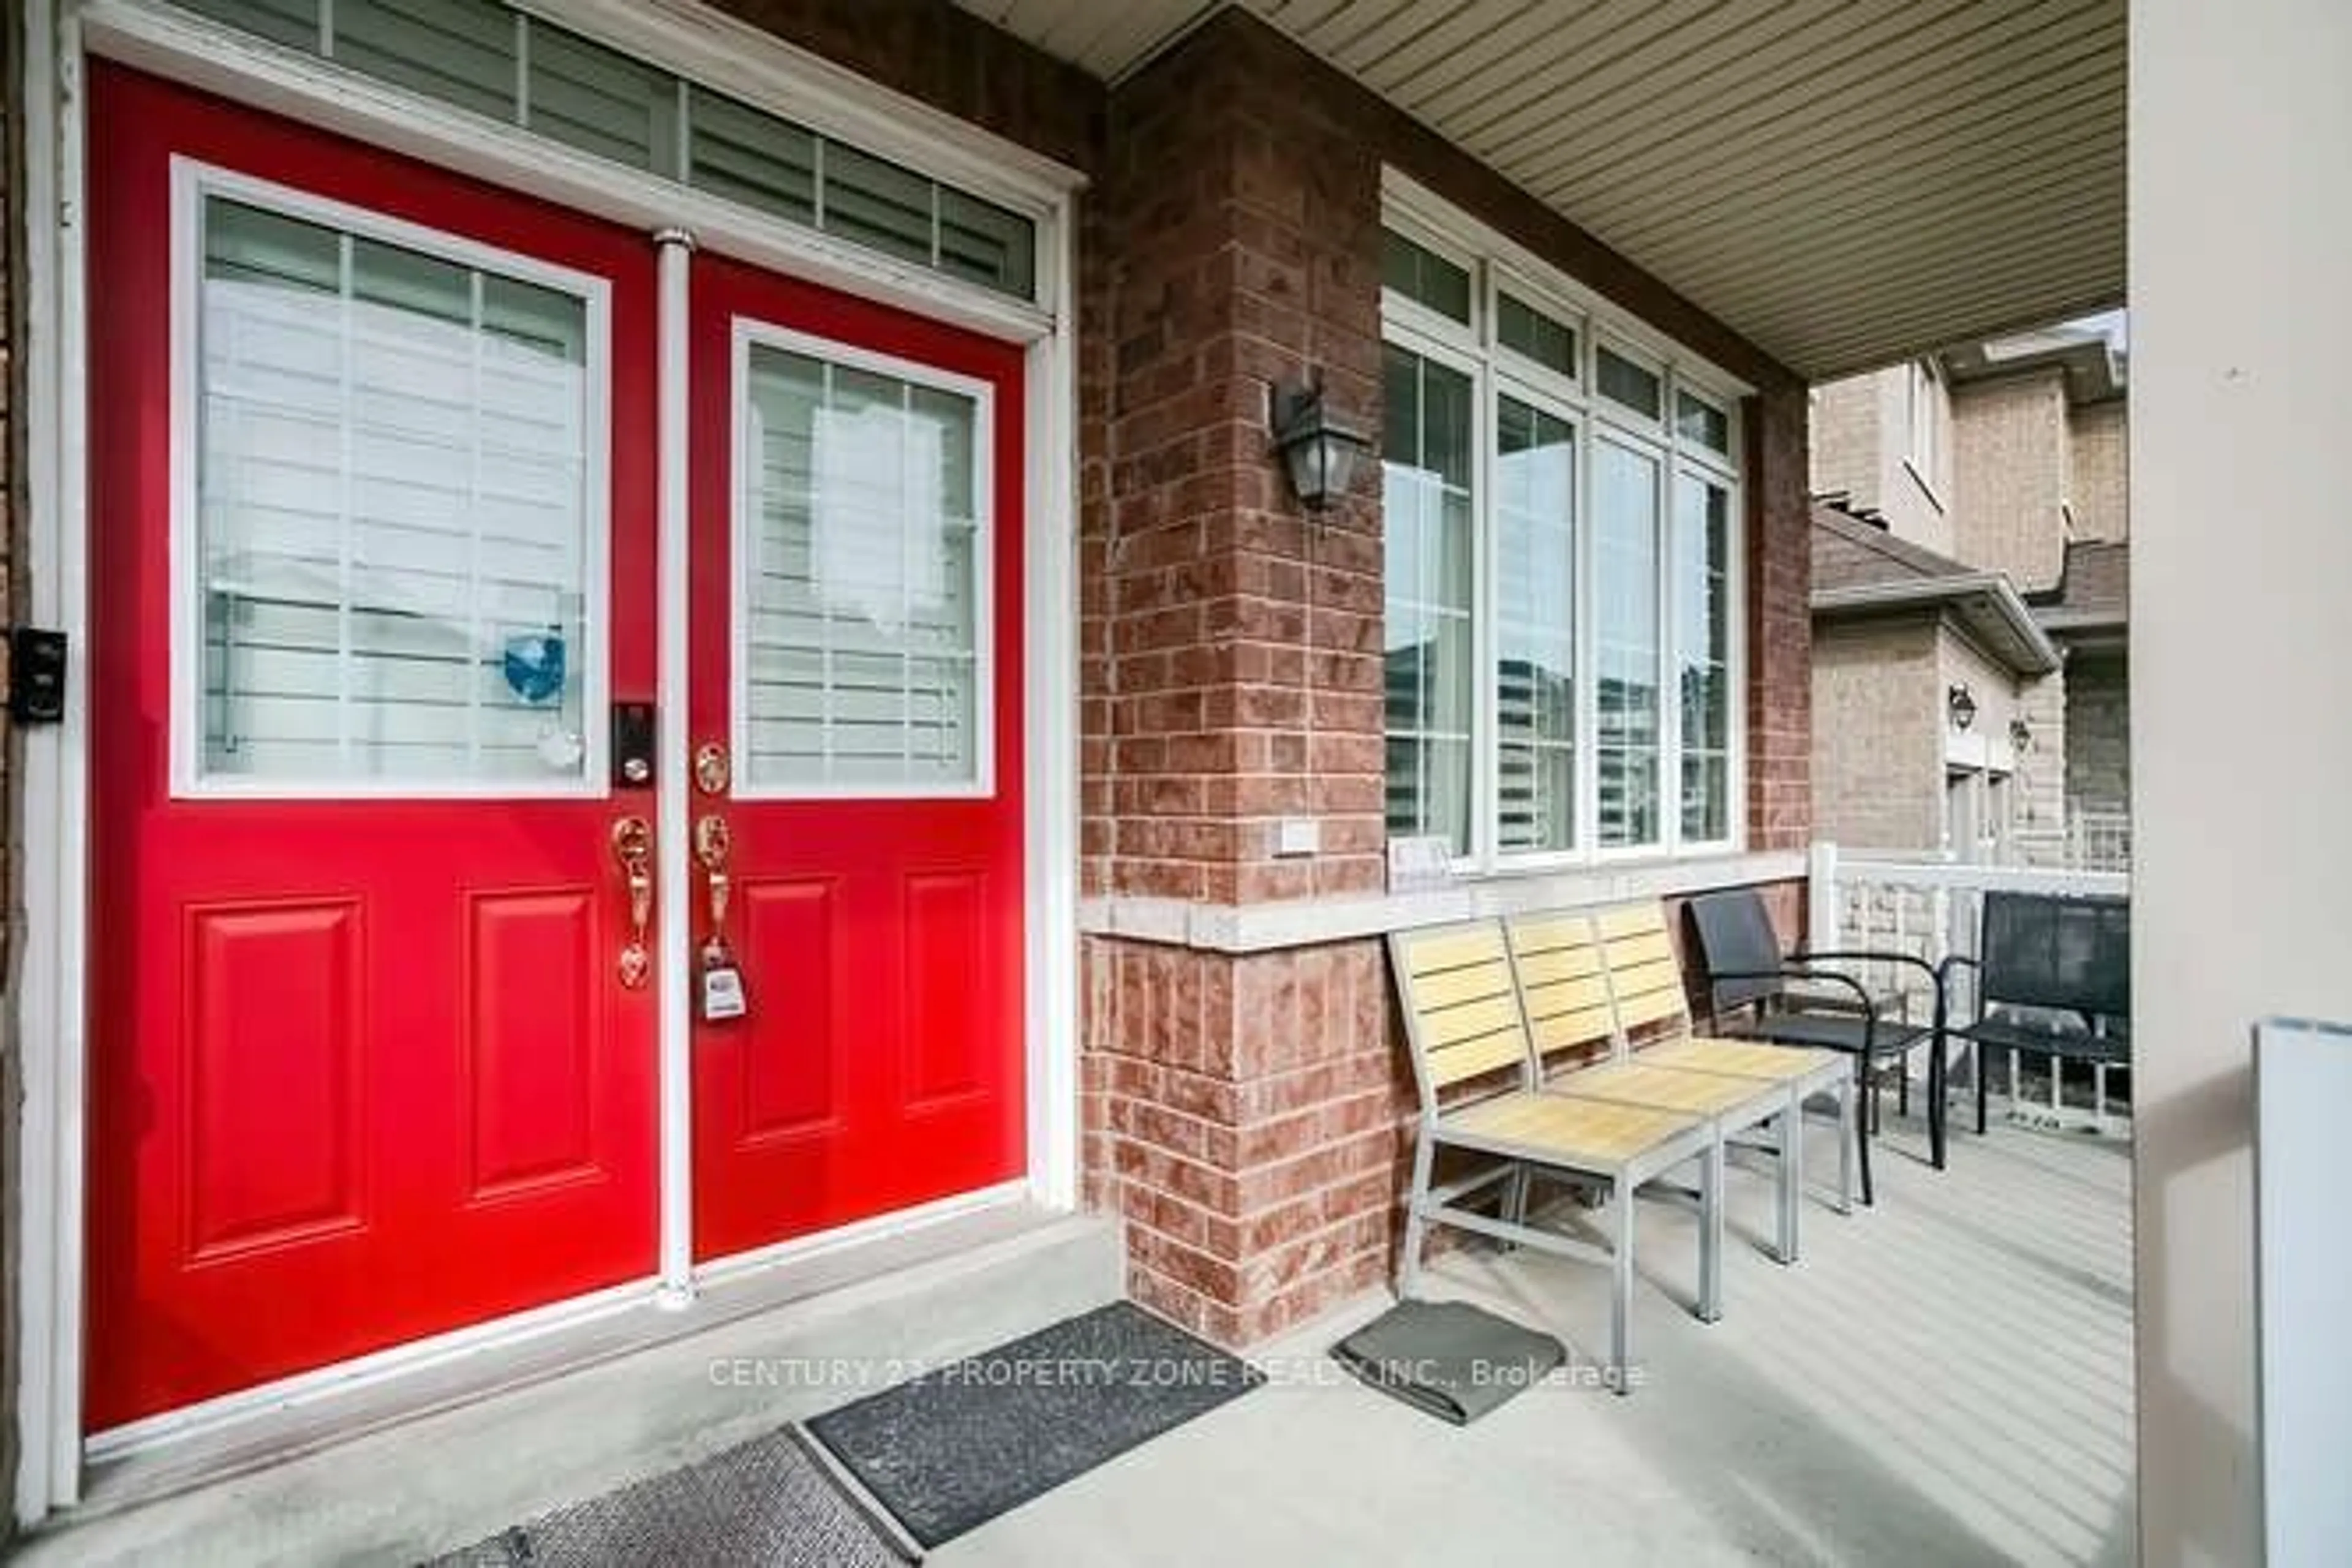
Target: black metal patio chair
{"x":2052,"y":979}
{"x":1747,"y":974}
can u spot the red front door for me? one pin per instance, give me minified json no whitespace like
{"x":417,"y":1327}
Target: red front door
{"x":372,"y":551}
{"x":856,"y":664}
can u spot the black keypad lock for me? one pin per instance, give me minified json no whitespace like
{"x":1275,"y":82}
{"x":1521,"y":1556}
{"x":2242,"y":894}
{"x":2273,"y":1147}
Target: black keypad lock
{"x":36,"y":676}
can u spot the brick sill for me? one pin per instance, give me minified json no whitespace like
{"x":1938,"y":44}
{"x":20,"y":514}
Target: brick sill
{"x":1306,"y":922}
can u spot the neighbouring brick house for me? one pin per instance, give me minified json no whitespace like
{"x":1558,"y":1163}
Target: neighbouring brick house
{"x":1971,"y":536}
{"x":469,"y":539}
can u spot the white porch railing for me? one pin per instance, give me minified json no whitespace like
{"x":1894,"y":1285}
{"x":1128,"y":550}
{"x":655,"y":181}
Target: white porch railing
{"x":1930,"y":908}
{"x":2087,"y":841}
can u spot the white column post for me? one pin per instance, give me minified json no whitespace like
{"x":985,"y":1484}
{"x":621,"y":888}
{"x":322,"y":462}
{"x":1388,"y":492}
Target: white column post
{"x":1821,"y":898}
{"x":51,"y":991}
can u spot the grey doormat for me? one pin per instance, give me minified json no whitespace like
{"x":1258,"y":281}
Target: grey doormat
{"x":767,"y":1501}
{"x":956,"y":1447}
{"x":1454,"y":1361}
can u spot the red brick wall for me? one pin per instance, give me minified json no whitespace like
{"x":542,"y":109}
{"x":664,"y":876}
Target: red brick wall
{"x":1243,"y":1114}
{"x":1241,"y":1111}
{"x":1780,"y":623}
{"x":1231,"y":671}
{"x":1248,"y":1115}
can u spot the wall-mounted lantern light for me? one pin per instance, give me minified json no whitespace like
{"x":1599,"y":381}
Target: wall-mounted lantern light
{"x":1319,"y":452}
{"x":2021,"y":735}
{"x":1961,"y":704}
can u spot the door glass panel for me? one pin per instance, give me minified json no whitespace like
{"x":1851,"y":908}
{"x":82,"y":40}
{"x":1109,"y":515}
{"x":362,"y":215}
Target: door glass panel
{"x":394,"y":515}
{"x":859,"y":557}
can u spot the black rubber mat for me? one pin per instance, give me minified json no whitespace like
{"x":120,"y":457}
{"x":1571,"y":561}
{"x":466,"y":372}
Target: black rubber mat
{"x":1454,"y":1361}
{"x":767,"y":1501}
{"x":956,"y":1447}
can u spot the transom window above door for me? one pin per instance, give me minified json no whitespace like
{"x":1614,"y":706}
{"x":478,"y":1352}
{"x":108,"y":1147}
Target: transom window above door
{"x":862,"y":572}
{"x":390,"y":537}
{"x":518,"y":69}
{"x":1560,"y":505}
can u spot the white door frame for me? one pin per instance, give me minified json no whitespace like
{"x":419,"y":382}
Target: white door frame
{"x":58,"y":37}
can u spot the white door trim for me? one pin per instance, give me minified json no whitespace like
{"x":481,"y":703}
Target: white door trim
{"x":58,"y":36}
{"x":673,"y":771}
{"x":50,"y":987}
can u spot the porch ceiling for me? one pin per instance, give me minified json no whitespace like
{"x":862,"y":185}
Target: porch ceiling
{"x":1846,"y":183}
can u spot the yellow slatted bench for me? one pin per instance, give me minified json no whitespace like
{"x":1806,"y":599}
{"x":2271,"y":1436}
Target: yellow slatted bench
{"x":1475,"y":1066}
{"x":1564,"y":988}
{"x":1645,"y":985}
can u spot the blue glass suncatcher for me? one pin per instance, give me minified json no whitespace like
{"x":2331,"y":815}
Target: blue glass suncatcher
{"x":534,"y":667}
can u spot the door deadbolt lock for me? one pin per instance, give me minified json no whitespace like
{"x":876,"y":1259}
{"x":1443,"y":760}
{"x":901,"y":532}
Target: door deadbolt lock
{"x":633,"y":745}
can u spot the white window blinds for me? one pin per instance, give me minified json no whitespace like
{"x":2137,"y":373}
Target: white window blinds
{"x":392,"y":511}
{"x":862,"y":549}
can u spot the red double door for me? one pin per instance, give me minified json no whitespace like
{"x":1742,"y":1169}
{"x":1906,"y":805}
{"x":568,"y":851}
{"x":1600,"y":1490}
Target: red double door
{"x":375,"y":1028}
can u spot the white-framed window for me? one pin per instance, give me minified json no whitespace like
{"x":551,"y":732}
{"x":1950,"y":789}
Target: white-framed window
{"x":863,"y":542}
{"x":1563,"y":511}
{"x":390,"y":527}
{"x":1927,"y":415}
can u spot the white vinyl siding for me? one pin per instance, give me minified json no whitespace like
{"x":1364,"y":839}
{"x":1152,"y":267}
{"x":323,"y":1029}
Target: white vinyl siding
{"x":393,"y":463}
{"x":862,"y":579}
{"x":1561,"y":597}
{"x":518,"y":69}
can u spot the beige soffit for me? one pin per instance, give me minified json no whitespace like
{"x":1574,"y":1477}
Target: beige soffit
{"x":1845,"y":183}
{"x":1984,"y":600}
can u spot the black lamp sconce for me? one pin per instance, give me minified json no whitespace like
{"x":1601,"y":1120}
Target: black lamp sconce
{"x":1320,"y":451}
{"x":2021,"y":735}
{"x":1961,"y":704}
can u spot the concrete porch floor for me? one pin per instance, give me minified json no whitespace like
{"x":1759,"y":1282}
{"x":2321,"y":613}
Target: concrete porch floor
{"x":1944,"y":1379}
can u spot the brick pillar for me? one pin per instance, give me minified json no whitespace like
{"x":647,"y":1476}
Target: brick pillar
{"x":1779,"y":623}
{"x":1233,"y":672}
{"x":1240,"y":1107}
